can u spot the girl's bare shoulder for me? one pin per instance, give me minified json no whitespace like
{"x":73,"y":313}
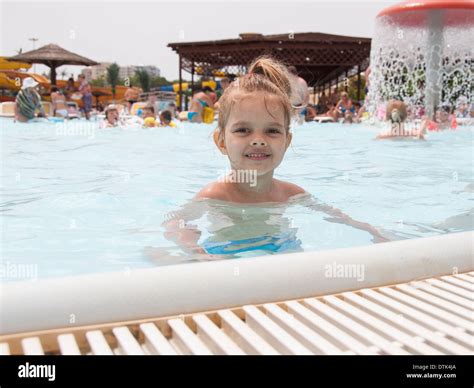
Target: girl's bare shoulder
{"x":214,"y":190}
{"x":289,"y":189}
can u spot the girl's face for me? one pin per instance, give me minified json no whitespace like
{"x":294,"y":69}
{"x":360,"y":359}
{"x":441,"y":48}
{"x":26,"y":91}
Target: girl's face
{"x":255,"y":137}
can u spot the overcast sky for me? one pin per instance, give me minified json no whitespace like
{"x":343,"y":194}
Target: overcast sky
{"x":137,"y":33}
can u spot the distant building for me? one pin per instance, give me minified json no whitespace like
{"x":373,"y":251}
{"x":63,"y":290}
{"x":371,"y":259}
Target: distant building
{"x":126,"y":71}
{"x":100,"y":71}
{"x":87,"y":72}
{"x":96,"y":72}
{"x":129,"y":71}
{"x":152,"y":70}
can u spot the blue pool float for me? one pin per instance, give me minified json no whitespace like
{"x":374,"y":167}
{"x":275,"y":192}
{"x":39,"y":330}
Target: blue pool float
{"x":56,"y":119}
{"x":265,"y":243}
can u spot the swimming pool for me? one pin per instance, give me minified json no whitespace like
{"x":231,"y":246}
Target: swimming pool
{"x":78,"y":200}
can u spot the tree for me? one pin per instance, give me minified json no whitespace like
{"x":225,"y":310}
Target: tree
{"x":99,"y":82}
{"x":144,"y":79}
{"x":352,"y":88}
{"x":156,"y":82}
{"x":113,"y":77}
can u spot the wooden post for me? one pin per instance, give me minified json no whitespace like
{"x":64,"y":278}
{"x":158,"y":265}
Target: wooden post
{"x":180,"y":92}
{"x":53,"y":73}
{"x":358,"y":82}
{"x":192,"y":79}
{"x":346,"y":82}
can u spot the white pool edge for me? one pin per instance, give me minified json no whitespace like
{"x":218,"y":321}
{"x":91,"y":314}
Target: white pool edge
{"x":182,"y":289}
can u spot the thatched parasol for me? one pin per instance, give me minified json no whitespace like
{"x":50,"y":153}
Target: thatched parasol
{"x":52,"y":56}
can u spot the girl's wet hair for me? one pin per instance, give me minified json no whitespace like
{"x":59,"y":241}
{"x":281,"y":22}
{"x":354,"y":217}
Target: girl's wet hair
{"x":400,"y":106}
{"x":266,"y":75}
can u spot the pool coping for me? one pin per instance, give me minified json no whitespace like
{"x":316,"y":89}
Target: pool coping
{"x":190,"y":288}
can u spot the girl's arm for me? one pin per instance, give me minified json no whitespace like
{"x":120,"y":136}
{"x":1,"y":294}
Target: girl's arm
{"x":341,"y":218}
{"x":180,"y":231}
{"x":185,"y":235}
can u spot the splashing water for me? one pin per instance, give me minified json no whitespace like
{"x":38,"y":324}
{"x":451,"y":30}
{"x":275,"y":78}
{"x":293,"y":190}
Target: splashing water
{"x":427,"y":63}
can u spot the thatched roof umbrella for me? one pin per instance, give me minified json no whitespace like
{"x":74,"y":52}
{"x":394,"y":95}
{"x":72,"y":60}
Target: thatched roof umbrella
{"x":52,"y":56}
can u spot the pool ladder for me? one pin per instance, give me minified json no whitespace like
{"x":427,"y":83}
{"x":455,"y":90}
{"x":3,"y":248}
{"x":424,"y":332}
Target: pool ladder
{"x":432,"y":316}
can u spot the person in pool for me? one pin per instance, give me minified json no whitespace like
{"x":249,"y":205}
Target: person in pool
{"x":166,"y":120}
{"x":345,"y":104}
{"x":443,"y":120}
{"x":200,"y":101}
{"x":254,"y":133}
{"x":28,"y":101}
{"x":299,"y":96}
{"x":396,"y":114}
{"x":59,"y":102}
{"x":112,"y":117}
{"x":86,"y":90}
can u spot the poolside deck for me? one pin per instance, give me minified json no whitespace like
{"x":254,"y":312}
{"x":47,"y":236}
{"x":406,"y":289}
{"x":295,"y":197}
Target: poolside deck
{"x":432,"y":316}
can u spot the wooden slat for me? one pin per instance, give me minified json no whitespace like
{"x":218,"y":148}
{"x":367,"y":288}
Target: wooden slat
{"x":443,"y":294}
{"x":434,"y":300}
{"x":272,"y":333}
{"x":438,"y":313}
{"x":32,"y":347}
{"x":386,"y":329}
{"x":422,"y":333}
{"x":350,"y":325}
{"x":68,"y":345}
{"x":331,"y":332}
{"x":246,"y":338}
{"x":214,"y":338}
{"x":155,"y":341}
{"x":454,"y":289}
{"x":309,"y":338}
{"x":186,"y":340}
{"x":465,"y":277}
{"x":4,"y":349}
{"x":459,"y":283}
{"x":424,"y":319}
{"x":98,"y":343}
{"x":128,"y":345}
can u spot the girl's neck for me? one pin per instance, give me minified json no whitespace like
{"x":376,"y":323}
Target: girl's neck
{"x":259,"y":187}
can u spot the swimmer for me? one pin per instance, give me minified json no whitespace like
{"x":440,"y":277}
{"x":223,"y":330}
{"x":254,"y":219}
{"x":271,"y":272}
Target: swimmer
{"x":348,"y":117}
{"x":254,"y":133}
{"x":111,"y":117}
{"x":396,"y":113}
{"x":59,"y":102}
{"x":200,"y":100}
{"x":148,"y":111}
{"x":299,"y":96}
{"x":28,"y":101}
{"x":345,"y":104}
{"x":443,"y":120}
{"x":166,"y":119}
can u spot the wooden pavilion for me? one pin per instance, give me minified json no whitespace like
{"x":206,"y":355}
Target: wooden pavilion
{"x":323,"y":60}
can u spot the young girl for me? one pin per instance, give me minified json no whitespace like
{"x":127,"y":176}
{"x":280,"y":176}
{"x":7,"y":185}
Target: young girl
{"x":254,"y":133}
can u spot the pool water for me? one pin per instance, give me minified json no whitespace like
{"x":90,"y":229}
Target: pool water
{"x":76,"y":199}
